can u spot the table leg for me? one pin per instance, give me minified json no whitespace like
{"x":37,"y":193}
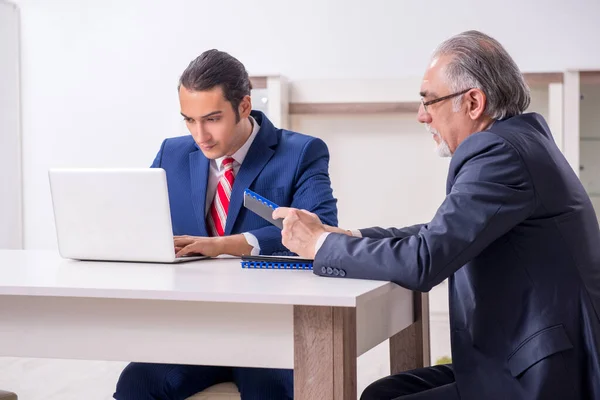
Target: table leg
{"x":324,"y":353}
{"x":409,"y":348}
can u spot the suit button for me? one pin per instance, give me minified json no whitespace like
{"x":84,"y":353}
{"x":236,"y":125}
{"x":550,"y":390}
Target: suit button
{"x":336,"y":272}
{"x":329,"y":271}
{"x":323,"y":270}
{"x":342,"y":273}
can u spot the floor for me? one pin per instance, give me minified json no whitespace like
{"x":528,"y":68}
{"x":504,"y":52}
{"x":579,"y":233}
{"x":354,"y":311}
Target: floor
{"x":38,"y":379}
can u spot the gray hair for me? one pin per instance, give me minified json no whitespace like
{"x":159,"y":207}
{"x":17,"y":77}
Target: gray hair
{"x":480,"y":61}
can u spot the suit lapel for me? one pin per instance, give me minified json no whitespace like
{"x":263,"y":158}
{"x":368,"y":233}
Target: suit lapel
{"x":258,"y":156}
{"x":199,"y":166}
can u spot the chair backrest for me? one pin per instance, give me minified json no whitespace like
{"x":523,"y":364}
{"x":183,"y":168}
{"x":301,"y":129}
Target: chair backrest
{"x":221,"y":391}
{"x":7,"y":395}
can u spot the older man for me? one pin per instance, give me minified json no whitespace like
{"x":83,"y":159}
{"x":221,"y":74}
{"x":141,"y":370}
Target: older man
{"x":516,"y":235}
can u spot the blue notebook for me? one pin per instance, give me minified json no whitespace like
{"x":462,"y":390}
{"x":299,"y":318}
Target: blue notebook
{"x":262,"y":207}
{"x":276,"y":262}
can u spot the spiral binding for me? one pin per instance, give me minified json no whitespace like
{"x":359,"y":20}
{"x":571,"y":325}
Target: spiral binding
{"x":274,"y":265}
{"x":266,"y":202}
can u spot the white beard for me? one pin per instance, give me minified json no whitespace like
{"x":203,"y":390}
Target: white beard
{"x":442,"y":149}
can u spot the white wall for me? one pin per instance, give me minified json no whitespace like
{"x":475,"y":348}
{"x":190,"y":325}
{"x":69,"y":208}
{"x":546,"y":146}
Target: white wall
{"x":11,"y":219}
{"x":384,"y":170}
{"x":99,"y":75}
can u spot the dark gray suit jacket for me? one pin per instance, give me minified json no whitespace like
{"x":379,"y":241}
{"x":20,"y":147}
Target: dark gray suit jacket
{"x":519,"y":241}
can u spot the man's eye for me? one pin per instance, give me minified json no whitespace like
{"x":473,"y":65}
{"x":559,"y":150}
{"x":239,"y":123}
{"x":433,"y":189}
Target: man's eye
{"x":213,"y":119}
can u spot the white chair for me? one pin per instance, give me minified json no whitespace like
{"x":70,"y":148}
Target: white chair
{"x":7,"y":395}
{"x":222,"y":391}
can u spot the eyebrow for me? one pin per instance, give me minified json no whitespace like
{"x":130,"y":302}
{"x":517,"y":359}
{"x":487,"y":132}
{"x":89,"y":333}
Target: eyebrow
{"x":211,"y":114}
{"x":425,"y":93}
{"x":204,"y":116}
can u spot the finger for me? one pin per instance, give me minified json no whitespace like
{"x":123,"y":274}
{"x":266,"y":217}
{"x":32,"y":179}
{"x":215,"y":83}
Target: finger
{"x":284,"y":236}
{"x":185,"y":251}
{"x":183,"y":241}
{"x":286,"y":239}
{"x":290,"y":219}
{"x":281,"y":212}
{"x":287,"y":234}
{"x":313,"y":215}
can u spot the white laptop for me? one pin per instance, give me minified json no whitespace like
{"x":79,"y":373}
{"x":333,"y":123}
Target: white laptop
{"x":113,"y":215}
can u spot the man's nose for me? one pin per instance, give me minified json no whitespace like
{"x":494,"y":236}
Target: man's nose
{"x":423,"y":116}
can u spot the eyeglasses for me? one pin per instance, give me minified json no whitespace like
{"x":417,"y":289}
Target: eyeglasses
{"x":430,"y":102}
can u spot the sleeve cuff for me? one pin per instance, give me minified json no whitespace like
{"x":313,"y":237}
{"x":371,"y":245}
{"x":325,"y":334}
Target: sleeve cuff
{"x":252,"y":241}
{"x":320,"y":241}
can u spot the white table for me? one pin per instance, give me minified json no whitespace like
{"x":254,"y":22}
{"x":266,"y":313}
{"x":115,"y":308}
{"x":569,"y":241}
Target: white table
{"x":209,"y":312}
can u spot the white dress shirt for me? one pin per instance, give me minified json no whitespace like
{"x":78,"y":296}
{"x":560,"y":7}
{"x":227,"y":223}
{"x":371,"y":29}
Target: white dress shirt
{"x":321,"y":239}
{"x":217,"y":170}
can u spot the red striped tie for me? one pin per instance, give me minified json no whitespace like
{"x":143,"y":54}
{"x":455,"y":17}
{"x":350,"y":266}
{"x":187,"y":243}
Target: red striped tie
{"x":218,"y":210}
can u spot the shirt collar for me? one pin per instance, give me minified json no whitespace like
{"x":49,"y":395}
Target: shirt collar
{"x":240,"y":155}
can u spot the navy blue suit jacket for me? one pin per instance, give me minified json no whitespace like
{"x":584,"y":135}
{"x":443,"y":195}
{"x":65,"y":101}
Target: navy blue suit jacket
{"x":285,"y":167}
{"x":519,"y":241}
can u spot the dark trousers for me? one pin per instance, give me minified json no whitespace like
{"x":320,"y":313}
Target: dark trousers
{"x":431,"y":383}
{"x":140,"y":381}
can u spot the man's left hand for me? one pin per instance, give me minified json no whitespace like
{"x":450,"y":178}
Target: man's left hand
{"x":301,"y":230}
{"x":190,"y":245}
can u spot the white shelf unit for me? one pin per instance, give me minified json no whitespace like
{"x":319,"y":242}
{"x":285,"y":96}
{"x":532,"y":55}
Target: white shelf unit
{"x":270,"y":95}
{"x":569,"y":100}
{"x":589,"y":143}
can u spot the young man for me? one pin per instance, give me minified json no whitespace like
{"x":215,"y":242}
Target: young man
{"x":231,"y":148}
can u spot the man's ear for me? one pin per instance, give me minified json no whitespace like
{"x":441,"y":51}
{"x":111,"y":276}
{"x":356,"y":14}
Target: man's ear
{"x":245,"y":107}
{"x":476,"y":103}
